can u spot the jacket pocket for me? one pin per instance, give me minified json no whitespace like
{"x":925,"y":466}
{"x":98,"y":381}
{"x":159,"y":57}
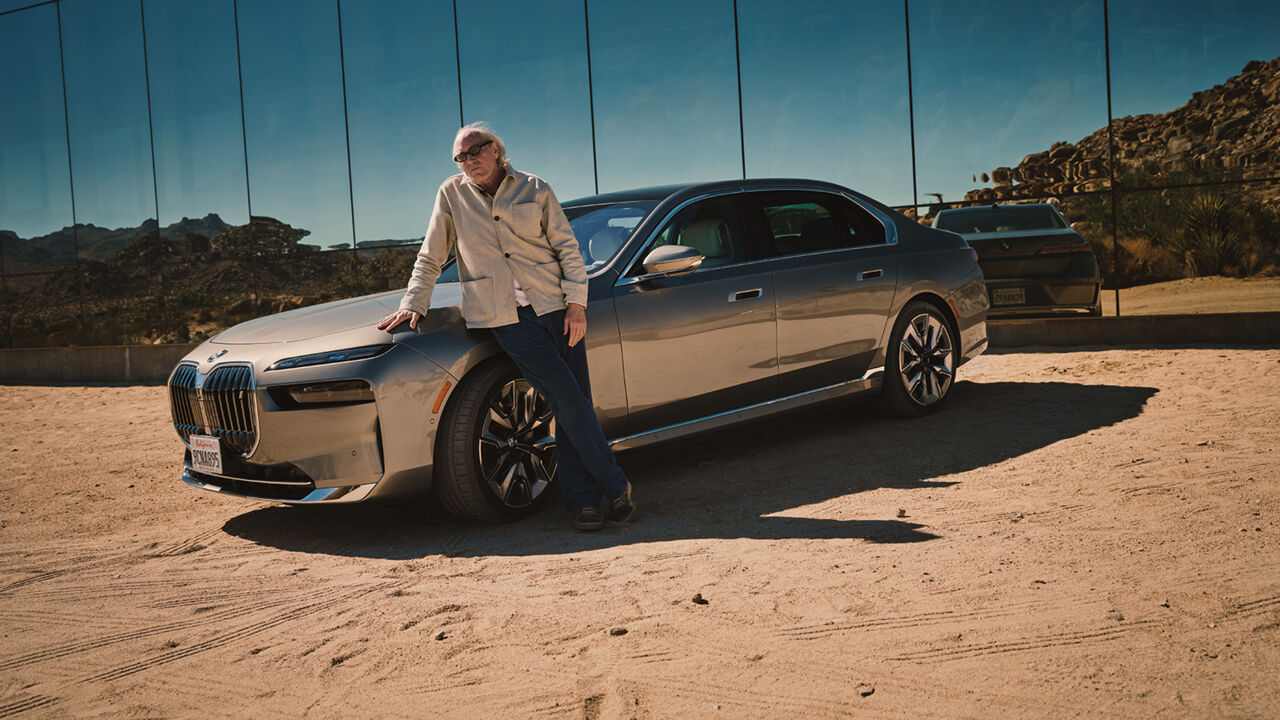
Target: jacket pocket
{"x":526,"y":219}
{"x":478,"y":304}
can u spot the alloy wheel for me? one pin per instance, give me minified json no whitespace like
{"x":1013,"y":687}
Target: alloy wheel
{"x":517,"y":446}
{"x":926,"y":362}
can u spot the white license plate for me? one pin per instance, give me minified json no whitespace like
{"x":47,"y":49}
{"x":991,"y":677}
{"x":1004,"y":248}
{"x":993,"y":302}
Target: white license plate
{"x":1008,"y":296}
{"x":206,"y":454}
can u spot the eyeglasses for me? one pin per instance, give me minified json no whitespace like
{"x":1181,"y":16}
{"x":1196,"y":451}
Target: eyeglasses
{"x":471,"y":152}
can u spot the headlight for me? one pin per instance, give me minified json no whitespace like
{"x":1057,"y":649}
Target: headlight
{"x":330,"y":393}
{"x":333,"y":356}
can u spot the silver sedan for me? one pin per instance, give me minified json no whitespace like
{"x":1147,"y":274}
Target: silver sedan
{"x":710,"y":304}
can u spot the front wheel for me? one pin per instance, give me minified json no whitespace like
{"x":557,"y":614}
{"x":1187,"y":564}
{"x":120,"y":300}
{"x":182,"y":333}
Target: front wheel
{"x":921,"y":362}
{"x":496,"y":451}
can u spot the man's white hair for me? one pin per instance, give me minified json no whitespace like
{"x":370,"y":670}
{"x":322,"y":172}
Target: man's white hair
{"x":486,"y":131}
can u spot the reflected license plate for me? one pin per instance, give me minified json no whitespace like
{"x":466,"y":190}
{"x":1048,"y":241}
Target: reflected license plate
{"x":206,"y":454}
{"x":1008,"y":296}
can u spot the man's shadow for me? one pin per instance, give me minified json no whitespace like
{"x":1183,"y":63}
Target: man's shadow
{"x":732,"y":484}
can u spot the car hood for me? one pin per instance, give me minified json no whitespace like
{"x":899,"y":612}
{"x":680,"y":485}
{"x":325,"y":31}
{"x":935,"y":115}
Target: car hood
{"x":328,"y":318}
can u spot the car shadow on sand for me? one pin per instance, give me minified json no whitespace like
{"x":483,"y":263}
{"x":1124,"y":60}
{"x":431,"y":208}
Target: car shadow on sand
{"x":746,"y":482}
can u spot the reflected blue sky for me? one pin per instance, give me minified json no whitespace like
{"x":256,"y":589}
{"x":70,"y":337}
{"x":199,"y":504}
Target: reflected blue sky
{"x":524,"y":70}
{"x":293,"y":117}
{"x":35,"y":188}
{"x":107,"y":112}
{"x":824,"y":93}
{"x":666,"y":93}
{"x":1159,"y":57}
{"x":402,"y":103}
{"x":996,"y":80}
{"x":195,"y":111}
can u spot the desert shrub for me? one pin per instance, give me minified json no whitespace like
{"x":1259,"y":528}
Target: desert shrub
{"x":1209,"y":238}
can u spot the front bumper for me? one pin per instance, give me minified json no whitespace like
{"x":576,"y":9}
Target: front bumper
{"x":336,"y":453}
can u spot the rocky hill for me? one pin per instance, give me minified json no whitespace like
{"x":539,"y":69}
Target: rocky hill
{"x":58,"y":248}
{"x":1230,"y":131}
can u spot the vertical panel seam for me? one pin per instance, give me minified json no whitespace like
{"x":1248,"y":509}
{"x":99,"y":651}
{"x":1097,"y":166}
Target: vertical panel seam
{"x":591,"y":99}
{"x":346,"y":129}
{"x":71,"y":179}
{"x":737,"y":64}
{"x":1111,"y":152}
{"x":244,"y":132}
{"x":457,"y":63}
{"x":151,"y":135}
{"x":911,"y":106}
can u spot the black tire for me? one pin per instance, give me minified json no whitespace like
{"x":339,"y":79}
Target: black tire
{"x":489,"y":469}
{"x":923,"y":342}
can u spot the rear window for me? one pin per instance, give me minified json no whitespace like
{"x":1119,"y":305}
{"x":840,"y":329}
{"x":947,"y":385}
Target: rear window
{"x":1007,"y":218}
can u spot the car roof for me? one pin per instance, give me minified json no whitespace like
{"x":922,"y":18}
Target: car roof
{"x":658,"y":193}
{"x":993,"y":206}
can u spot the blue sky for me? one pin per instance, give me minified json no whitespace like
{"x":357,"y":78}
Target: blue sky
{"x":823,"y":92}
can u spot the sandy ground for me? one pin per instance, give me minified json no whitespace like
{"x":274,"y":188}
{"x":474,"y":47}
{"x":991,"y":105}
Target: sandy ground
{"x":1213,"y":294}
{"x":1079,"y":534}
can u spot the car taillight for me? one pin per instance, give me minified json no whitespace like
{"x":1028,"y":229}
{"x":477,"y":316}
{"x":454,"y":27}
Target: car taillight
{"x":1073,"y":247}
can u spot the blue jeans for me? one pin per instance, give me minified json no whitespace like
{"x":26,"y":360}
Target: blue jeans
{"x":537,"y":344}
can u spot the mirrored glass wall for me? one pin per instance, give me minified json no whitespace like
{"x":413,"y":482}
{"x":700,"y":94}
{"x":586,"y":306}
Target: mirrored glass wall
{"x":169,"y":167}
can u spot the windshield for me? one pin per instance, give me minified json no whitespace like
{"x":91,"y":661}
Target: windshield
{"x":601,"y":231}
{"x":1007,"y":218}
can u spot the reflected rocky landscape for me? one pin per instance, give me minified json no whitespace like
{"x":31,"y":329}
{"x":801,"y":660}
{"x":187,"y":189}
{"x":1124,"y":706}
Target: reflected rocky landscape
{"x":180,"y":284}
{"x":1196,"y":192}
{"x":1196,"y":195}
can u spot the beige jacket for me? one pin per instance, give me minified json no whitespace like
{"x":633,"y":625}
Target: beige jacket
{"x":519,"y":234}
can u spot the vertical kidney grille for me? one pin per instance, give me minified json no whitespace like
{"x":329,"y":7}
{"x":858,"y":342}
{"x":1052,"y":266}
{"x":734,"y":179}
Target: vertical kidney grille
{"x":222,"y":406}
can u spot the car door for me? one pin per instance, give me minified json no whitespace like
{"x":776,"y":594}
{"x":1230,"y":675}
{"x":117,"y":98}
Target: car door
{"x":834,"y":275}
{"x":700,"y":343}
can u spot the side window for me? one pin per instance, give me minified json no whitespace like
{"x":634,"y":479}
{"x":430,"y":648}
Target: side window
{"x":804,"y":222}
{"x":711,"y":226}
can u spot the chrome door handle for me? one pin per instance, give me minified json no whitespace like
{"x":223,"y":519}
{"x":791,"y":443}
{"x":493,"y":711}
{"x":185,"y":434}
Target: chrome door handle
{"x":869,"y":274}
{"x":746,"y":294}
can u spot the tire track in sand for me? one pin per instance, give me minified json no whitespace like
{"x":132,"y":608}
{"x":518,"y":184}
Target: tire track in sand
{"x":1038,"y":642}
{"x":240,"y":633}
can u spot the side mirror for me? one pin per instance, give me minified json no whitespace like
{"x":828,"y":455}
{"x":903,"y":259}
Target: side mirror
{"x":672,"y":260}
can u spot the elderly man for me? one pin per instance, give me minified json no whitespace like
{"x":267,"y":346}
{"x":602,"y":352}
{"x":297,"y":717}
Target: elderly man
{"x":523,"y":277}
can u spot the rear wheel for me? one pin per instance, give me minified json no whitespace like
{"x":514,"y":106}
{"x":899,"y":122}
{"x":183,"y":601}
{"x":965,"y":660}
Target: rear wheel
{"x":921,"y":362}
{"x":496,"y":451}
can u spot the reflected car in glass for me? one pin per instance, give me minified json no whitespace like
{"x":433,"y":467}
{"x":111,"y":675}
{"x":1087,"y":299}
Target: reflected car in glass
{"x":1034,"y":262}
{"x":709,"y":305}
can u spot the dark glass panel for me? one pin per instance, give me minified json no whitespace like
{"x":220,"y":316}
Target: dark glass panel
{"x":294,"y":126}
{"x":824,"y":94}
{"x":7,"y":5}
{"x":524,"y":71}
{"x":666,"y":93}
{"x":1195,"y":91}
{"x":402,"y":103}
{"x":35,"y":185}
{"x":1010,"y":99}
{"x":379,"y":269}
{"x":1174,"y":241}
{"x":44,"y":309}
{"x":195,"y":112}
{"x":107,"y":117}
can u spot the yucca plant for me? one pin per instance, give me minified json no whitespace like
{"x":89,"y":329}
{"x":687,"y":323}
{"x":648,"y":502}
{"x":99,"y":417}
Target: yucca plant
{"x":1209,"y":239}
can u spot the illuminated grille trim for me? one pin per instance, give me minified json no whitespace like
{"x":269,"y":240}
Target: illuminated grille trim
{"x":220,"y":403}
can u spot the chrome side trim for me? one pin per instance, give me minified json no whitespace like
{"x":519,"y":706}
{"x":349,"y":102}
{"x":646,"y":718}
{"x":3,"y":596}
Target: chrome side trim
{"x":871,"y":380}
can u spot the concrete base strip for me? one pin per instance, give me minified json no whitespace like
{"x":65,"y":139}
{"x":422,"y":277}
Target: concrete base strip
{"x":1255,"y":328}
{"x":107,"y":364}
{"x":151,"y":364}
